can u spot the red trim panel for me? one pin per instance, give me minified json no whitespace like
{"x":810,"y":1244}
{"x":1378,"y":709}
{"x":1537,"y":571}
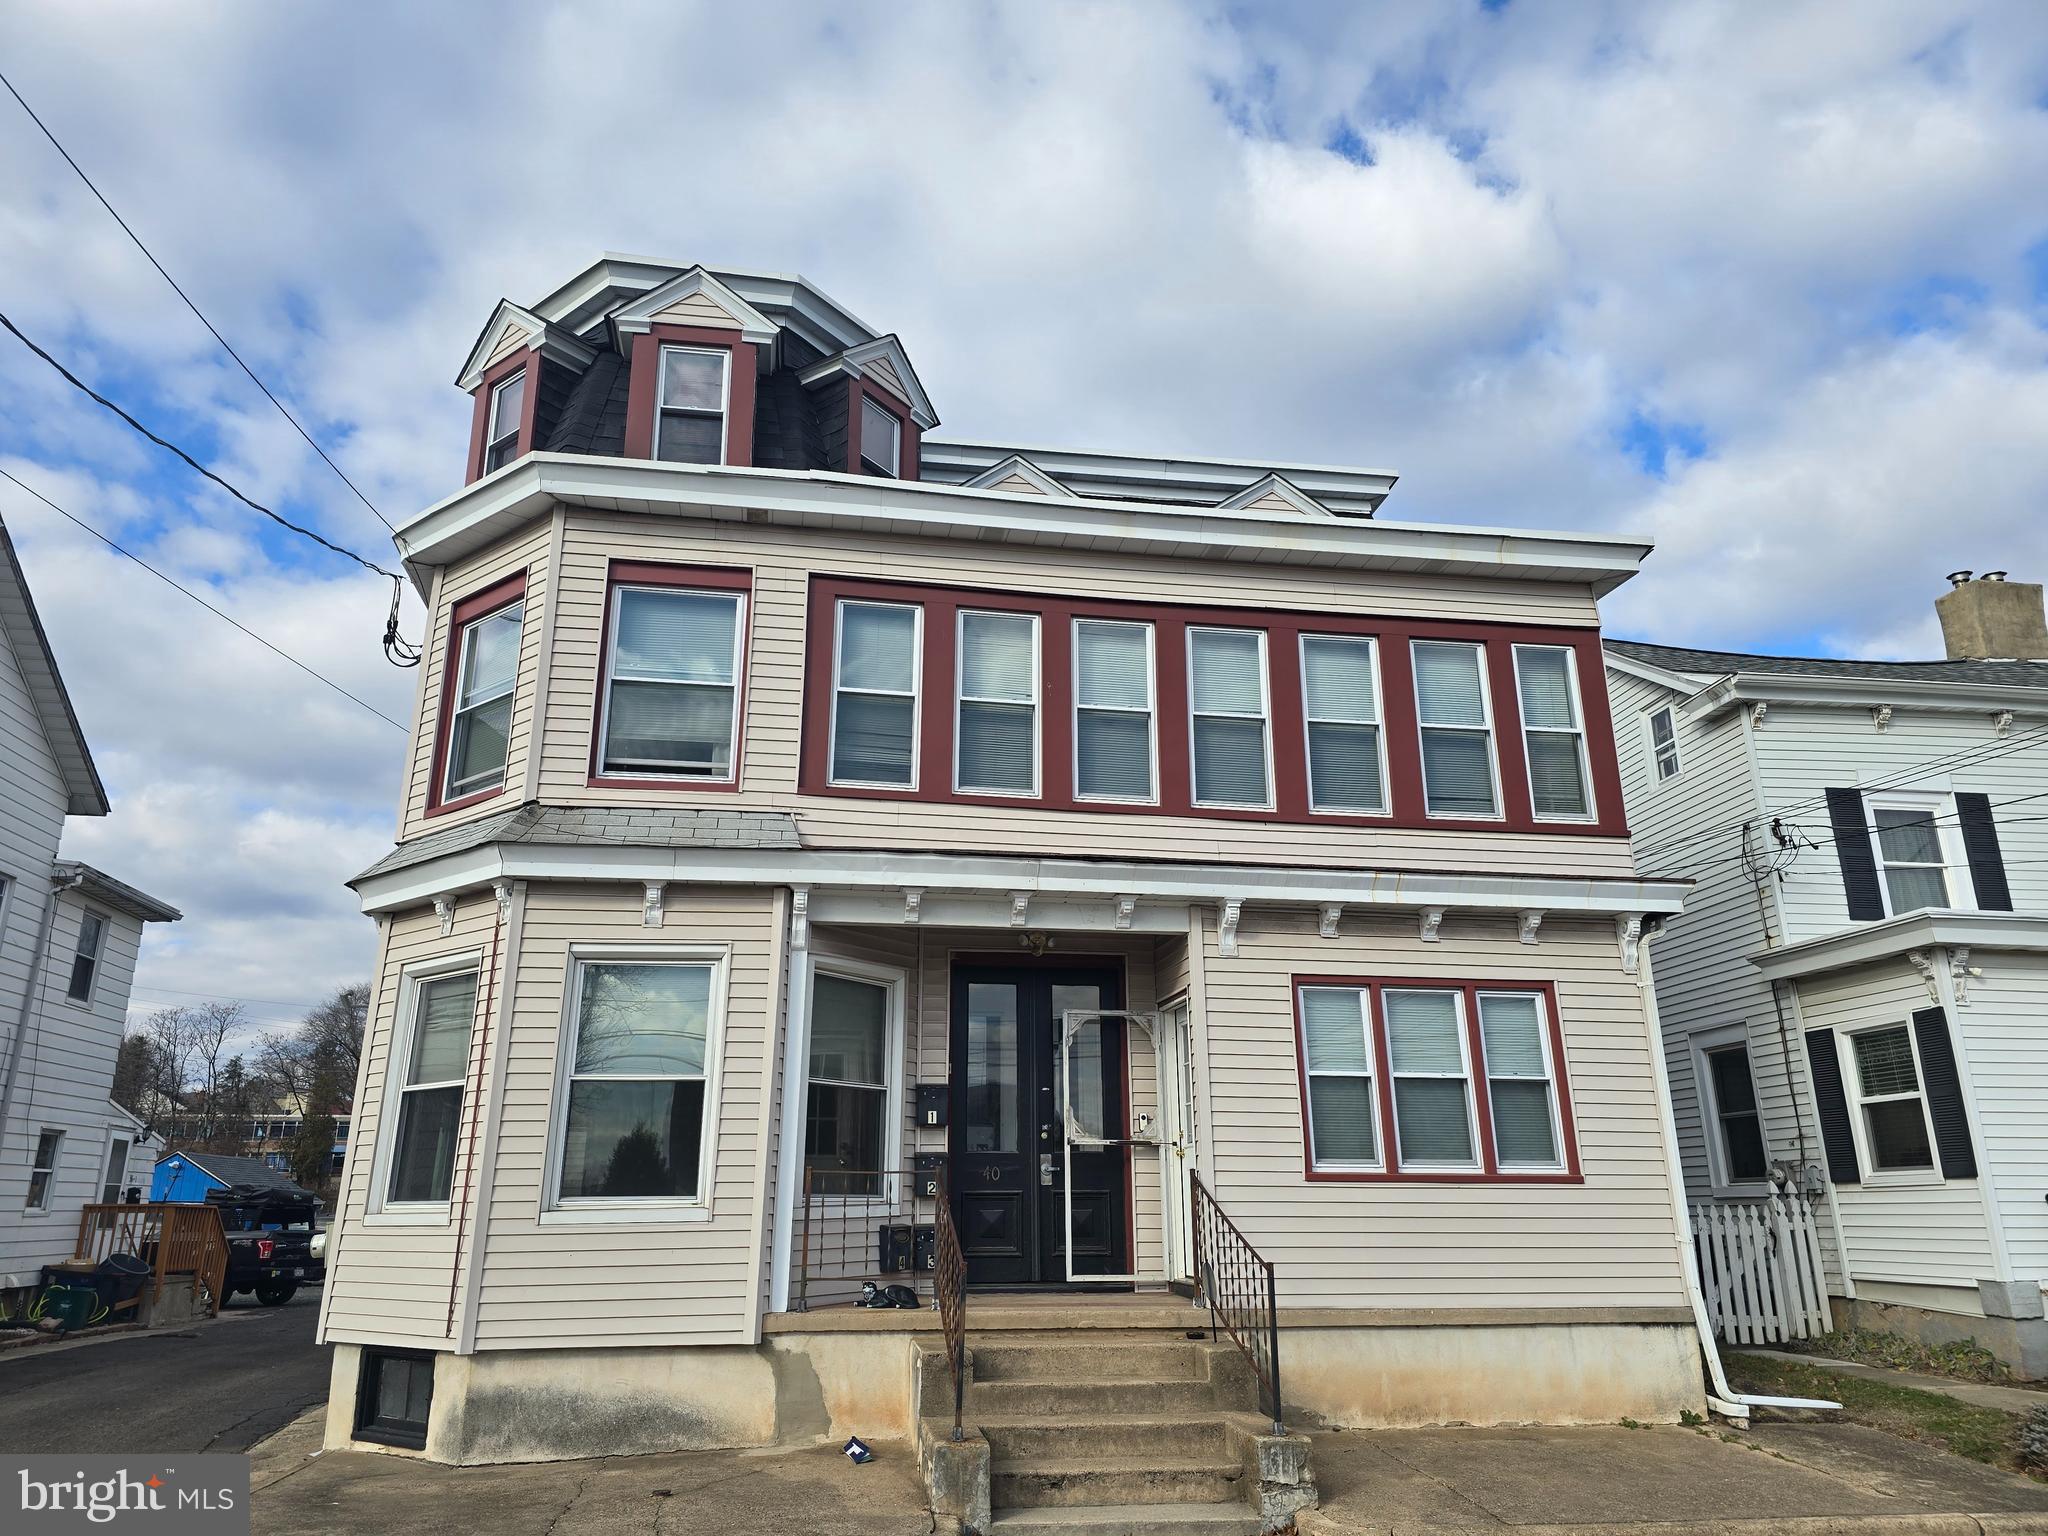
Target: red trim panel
{"x":477,"y":605}
{"x":644,"y":573}
{"x":1383,"y":1084}
{"x":527,"y":362}
{"x":861,"y":389}
{"x":1290,"y":748}
{"x":641,"y":380}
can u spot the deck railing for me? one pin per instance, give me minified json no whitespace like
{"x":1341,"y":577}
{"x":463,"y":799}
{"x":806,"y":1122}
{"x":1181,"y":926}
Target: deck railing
{"x":861,"y":1225}
{"x":181,"y":1243}
{"x":1237,"y":1287}
{"x":950,"y":1282}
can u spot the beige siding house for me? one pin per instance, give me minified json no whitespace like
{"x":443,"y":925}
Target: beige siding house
{"x":819,"y":833}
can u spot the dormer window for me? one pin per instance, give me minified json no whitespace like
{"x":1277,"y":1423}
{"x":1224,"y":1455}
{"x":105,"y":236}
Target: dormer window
{"x":689,"y":425}
{"x":508,"y":408}
{"x":881,"y":441}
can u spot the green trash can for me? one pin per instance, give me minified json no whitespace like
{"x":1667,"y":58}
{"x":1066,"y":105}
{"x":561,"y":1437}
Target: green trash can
{"x":74,"y":1306}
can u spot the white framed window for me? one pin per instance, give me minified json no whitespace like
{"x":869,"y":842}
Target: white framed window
{"x":1430,"y":1067}
{"x":881,"y":440}
{"x":1229,"y":717}
{"x":877,"y":673}
{"x":1921,"y":861}
{"x":1454,"y":710}
{"x":1347,"y":750}
{"x":1738,"y":1157}
{"x":635,"y":1120}
{"x":1553,"y":733}
{"x":117,"y":1170}
{"x":1894,"y":1130}
{"x":1663,"y":726}
{"x":501,"y":436}
{"x":672,"y":668}
{"x":1337,"y":1060}
{"x":1116,"y":744}
{"x":1521,"y":1081}
{"x":853,"y":1113}
{"x":487,"y":675}
{"x":85,"y":958}
{"x":42,"y":1169}
{"x":429,"y":1066}
{"x":996,"y":717}
{"x":690,"y":405}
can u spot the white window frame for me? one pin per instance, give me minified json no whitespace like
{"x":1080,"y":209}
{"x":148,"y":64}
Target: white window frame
{"x":1151,"y":710}
{"x":1379,"y":704}
{"x":1875,"y":1177}
{"x":1559,"y":1163}
{"x":126,"y":1140}
{"x":1658,"y":753}
{"x":868,"y":462}
{"x":1955,"y":865}
{"x":1374,"y":1067}
{"x":1701,"y":1045}
{"x":92,"y":957}
{"x":896,"y":981}
{"x":839,"y":608}
{"x":465,"y":650}
{"x":495,"y":436}
{"x":1578,"y":733}
{"x":554,"y":1210}
{"x":1490,"y":729}
{"x":1386,"y":1024}
{"x":724,"y":398}
{"x":612,"y":676}
{"x":1264,"y":717}
{"x":961,"y":699}
{"x":43,"y":1207}
{"x":381,"y":1210}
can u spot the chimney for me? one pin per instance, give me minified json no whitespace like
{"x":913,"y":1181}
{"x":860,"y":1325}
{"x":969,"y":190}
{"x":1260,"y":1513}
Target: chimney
{"x":1990,"y":618}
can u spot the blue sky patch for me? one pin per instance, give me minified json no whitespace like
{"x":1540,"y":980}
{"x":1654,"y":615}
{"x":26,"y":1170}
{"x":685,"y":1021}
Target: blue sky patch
{"x":1652,"y":441}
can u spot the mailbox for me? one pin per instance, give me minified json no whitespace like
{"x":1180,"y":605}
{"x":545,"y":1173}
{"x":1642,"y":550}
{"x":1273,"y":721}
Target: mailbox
{"x":931,"y":1104}
{"x":931,"y":1174}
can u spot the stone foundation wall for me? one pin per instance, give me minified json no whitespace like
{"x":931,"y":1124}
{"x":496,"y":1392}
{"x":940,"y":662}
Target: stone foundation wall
{"x":2021,"y":1342}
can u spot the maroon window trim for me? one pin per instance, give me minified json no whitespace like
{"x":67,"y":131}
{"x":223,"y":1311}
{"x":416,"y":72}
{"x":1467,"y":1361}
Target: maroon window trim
{"x":527,"y":362}
{"x":478,"y":605}
{"x":859,"y":389}
{"x":1383,"y":1084}
{"x":643,"y":378}
{"x":1170,"y":651}
{"x":642,"y":573}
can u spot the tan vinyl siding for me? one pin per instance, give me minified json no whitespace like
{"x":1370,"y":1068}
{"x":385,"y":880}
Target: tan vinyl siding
{"x":782,"y":562}
{"x":1606,"y":1242}
{"x":884,"y":373}
{"x":515,"y":339}
{"x":1017,"y":485}
{"x":1272,"y":501}
{"x":697,"y":309}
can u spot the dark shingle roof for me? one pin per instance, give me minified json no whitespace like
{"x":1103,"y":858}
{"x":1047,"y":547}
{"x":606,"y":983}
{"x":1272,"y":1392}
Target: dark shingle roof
{"x":240,"y":1170}
{"x":570,"y":825}
{"x":593,"y":418}
{"x":1678,"y":658}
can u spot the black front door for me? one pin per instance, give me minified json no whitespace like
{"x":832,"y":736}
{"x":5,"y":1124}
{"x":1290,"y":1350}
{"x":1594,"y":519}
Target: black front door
{"x":1008,"y":1140}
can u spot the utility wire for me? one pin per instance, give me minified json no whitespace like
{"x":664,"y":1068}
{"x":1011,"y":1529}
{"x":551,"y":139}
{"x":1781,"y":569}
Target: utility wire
{"x":181,"y":293}
{"x":202,"y":602}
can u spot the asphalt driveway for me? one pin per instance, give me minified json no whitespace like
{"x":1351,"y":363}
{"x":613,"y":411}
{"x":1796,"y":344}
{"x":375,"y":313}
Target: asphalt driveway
{"x":218,"y":1386}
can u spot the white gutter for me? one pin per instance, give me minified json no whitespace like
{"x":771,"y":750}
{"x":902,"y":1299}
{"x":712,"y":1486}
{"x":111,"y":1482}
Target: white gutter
{"x":1724,"y":1399}
{"x":1895,"y":936}
{"x":1937,"y":695}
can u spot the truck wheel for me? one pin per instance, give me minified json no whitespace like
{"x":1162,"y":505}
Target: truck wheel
{"x":275,"y":1293}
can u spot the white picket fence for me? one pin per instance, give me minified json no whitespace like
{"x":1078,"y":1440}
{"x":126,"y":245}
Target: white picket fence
{"x":1761,"y":1270}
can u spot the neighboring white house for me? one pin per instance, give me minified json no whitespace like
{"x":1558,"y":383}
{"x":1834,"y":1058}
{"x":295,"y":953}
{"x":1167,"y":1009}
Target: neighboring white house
{"x":68,"y":940}
{"x":1853,"y":999}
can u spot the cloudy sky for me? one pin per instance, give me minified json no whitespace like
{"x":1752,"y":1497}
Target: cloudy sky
{"x":1768,"y":283}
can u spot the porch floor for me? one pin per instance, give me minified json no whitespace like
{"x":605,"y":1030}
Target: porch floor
{"x":1005,"y":1311}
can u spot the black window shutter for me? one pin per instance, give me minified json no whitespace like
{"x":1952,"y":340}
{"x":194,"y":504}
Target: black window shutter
{"x":1980,"y":845}
{"x":1852,"y":851}
{"x":1832,"y":1105}
{"x":1944,"y":1088}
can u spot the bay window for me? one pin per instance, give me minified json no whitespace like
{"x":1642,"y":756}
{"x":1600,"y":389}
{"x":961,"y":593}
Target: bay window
{"x":672,"y":683}
{"x":1459,"y":775}
{"x":996,"y":720}
{"x":690,"y":405}
{"x":1232,"y":756}
{"x":1115,"y":753}
{"x":1553,"y":733}
{"x":1431,"y":1071}
{"x":1519,"y":1092}
{"x":435,"y":1058}
{"x":1347,"y":765}
{"x":1343,"y":1115}
{"x":875,"y":673}
{"x":508,"y":409}
{"x":486,"y":674}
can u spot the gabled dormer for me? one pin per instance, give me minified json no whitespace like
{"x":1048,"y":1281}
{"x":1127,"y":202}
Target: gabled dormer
{"x":521,"y":372}
{"x":872,"y":408}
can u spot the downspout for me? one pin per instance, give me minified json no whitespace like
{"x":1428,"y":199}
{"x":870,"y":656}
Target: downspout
{"x":1724,"y":1399}
{"x":30,"y":994}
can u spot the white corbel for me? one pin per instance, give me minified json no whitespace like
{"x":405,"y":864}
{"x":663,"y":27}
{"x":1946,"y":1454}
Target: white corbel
{"x":444,"y":909}
{"x":1881,"y":715}
{"x":1757,"y":711}
{"x":913,"y":904}
{"x":1628,"y":932}
{"x":502,"y":889}
{"x":2001,"y":722}
{"x":1432,"y":920}
{"x":1126,"y":909}
{"x":800,"y":917}
{"x":1326,"y":918}
{"x":1020,"y":908}
{"x":1226,"y":931}
{"x":650,"y":904}
{"x":1923,"y":962}
{"x":1527,"y":922}
{"x":1960,"y":971}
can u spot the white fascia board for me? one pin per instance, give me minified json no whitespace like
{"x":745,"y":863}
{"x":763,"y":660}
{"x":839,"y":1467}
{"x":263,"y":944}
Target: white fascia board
{"x":1869,"y":942}
{"x":501,"y":503}
{"x":1677,"y":682}
{"x":1357,"y":491}
{"x":856,"y":871}
{"x":636,"y":317}
{"x":554,"y":342}
{"x":1860,"y":693}
{"x":820,"y":320}
{"x":1019,"y":467}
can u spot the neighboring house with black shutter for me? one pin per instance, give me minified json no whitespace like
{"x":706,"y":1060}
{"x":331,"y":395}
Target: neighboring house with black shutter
{"x":1854,"y":999}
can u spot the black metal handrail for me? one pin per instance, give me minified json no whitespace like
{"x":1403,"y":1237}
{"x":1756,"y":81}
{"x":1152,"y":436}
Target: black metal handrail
{"x":861,"y":1226}
{"x":950,"y":1286}
{"x":1237,"y":1287}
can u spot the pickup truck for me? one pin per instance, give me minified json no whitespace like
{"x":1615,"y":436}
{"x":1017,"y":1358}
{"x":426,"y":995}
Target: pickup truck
{"x":270,"y":1242}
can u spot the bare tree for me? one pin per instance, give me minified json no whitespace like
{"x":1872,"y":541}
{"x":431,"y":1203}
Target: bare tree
{"x":211,"y":1025}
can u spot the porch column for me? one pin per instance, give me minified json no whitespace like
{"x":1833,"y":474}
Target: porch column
{"x":789,"y":1159}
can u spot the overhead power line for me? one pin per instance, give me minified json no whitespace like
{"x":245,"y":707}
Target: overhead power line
{"x":181,"y":293}
{"x":202,"y":602}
